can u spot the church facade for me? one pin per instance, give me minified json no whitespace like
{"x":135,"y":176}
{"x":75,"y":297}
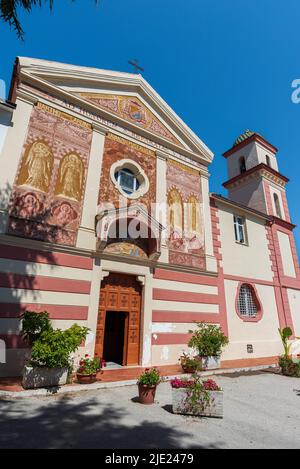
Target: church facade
{"x":106,"y":220}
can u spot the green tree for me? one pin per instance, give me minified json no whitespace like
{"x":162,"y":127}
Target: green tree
{"x":9,"y":11}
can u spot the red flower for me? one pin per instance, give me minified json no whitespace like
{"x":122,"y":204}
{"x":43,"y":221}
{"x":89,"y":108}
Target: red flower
{"x":210,"y":385}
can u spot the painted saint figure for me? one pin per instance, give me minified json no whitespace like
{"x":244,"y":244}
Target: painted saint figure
{"x":70,"y":179}
{"x":175,"y":208}
{"x":37,"y":169}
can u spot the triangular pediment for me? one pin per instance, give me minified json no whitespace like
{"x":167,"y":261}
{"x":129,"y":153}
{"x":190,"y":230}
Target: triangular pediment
{"x":132,"y":109}
{"x":124,"y":99}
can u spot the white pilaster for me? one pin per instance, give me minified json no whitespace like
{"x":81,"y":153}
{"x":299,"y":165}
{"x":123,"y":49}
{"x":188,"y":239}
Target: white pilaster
{"x":11,"y":154}
{"x":161,"y":201}
{"x":86,"y":233}
{"x":94,"y":306}
{"x":146,"y":342}
{"x":211,"y":262}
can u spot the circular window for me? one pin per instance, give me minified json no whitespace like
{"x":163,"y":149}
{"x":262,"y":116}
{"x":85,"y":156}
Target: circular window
{"x":129,"y":178}
{"x":127,"y":181}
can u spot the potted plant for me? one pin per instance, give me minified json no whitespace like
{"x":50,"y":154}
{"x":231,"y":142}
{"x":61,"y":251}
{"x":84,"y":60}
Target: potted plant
{"x":33,"y":325}
{"x":195,"y":397}
{"x":88,"y":369}
{"x":208,"y":340}
{"x":147,"y":384}
{"x":50,"y":362}
{"x":189,"y":364}
{"x":289,"y":366}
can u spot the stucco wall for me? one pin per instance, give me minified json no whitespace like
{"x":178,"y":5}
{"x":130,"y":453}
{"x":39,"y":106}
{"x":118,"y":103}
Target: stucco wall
{"x":37,"y":280}
{"x":294,"y":301}
{"x":254,"y":154}
{"x":248,"y":152}
{"x":251,"y":260}
{"x":5,"y":120}
{"x":251,"y":194}
{"x":286,"y":254}
{"x":275,"y":190}
{"x":263,"y":335}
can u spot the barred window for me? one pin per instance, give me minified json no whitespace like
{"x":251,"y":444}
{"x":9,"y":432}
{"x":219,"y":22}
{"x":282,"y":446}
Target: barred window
{"x":247,"y":303}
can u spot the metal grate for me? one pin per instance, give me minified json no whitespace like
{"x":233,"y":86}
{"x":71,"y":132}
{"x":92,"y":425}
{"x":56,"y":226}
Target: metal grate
{"x":247,"y":304}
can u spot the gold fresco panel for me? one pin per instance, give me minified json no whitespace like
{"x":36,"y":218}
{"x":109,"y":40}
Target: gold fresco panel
{"x":70,"y":177}
{"x":37,"y":166}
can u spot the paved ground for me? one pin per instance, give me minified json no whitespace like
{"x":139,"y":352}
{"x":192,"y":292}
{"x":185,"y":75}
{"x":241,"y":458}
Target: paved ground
{"x":261,"y":411}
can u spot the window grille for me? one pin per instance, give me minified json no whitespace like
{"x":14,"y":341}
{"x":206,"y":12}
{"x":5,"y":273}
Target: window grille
{"x":247,"y":303}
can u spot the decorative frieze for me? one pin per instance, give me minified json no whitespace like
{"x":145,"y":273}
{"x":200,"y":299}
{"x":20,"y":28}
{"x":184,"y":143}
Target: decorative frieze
{"x":113,"y":125}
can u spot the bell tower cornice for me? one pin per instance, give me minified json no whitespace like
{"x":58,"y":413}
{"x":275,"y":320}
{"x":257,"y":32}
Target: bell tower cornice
{"x":262,"y":171}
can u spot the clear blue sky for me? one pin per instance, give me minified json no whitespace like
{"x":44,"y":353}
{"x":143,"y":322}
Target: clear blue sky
{"x":222,"y":65}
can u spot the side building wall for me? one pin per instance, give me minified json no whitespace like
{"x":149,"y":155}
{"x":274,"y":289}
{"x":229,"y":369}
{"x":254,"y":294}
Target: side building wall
{"x":40,"y":280}
{"x":248,"y":264}
{"x":179,"y":301}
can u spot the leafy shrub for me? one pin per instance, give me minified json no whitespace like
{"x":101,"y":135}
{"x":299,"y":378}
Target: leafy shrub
{"x":208,"y":340}
{"x":54,"y":347}
{"x":289,"y":367}
{"x":150,"y":377}
{"x":33,"y":325}
{"x":189,"y":363}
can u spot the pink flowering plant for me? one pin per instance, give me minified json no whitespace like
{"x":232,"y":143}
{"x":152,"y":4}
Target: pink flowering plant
{"x":90,"y":366}
{"x":150,"y":377}
{"x":211,"y":385}
{"x":179,"y":383}
{"x":198,"y":393}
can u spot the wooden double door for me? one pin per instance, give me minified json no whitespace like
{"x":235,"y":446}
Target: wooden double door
{"x":119,"y":320}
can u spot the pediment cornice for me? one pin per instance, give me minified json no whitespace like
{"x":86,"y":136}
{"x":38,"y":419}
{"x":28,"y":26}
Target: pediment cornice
{"x":59,"y":79}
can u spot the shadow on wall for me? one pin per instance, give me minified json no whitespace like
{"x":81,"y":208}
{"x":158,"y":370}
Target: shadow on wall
{"x":18,"y":292}
{"x":69,"y":423}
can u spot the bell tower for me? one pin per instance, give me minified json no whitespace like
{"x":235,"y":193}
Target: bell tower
{"x":254,"y":179}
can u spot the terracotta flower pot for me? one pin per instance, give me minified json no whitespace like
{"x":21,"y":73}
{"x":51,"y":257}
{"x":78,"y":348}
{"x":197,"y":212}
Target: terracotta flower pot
{"x":186,"y":369}
{"x":147,"y":394}
{"x":86,"y":379}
